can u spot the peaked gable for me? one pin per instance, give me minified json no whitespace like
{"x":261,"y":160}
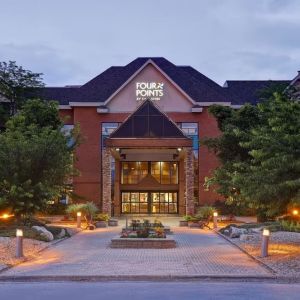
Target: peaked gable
{"x":148,"y":122}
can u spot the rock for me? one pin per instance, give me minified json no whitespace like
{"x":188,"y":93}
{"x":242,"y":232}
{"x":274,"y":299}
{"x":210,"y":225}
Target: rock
{"x":226,"y":232}
{"x":245,"y":237}
{"x":235,"y":232}
{"x":256,"y":230}
{"x":62,"y":234}
{"x":47,"y":235}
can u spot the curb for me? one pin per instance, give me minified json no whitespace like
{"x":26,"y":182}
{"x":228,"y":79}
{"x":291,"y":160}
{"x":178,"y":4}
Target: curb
{"x":29,"y":258}
{"x":93,"y":278}
{"x":271,"y":270}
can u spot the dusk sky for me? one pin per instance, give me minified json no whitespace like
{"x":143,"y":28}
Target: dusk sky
{"x":71,"y":41}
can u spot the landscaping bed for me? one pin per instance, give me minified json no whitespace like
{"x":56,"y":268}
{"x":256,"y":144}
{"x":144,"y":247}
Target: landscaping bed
{"x":37,"y":236}
{"x":284,"y":247}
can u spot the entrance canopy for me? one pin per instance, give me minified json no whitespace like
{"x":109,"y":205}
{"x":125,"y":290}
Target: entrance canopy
{"x":146,"y":125}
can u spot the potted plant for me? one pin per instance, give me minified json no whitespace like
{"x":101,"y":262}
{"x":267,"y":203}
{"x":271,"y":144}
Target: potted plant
{"x":101,"y":220}
{"x":185,"y":221}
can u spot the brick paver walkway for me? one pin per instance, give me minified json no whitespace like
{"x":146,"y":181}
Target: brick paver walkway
{"x":199,"y":252}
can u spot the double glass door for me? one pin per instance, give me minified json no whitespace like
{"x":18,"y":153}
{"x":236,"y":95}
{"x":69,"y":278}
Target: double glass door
{"x":150,"y":202}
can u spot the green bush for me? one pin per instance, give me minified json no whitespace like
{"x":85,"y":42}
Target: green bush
{"x":72,"y":209}
{"x":101,"y":217}
{"x":290,"y":226}
{"x":205,"y":212}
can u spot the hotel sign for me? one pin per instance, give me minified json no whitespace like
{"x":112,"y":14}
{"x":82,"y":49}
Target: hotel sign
{"x":149,"y":90}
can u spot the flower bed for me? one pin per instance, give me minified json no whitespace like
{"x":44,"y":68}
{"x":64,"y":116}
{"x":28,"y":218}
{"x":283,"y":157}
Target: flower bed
{"x":144,"y":235}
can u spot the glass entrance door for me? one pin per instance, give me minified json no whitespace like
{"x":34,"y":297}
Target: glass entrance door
{"x":150,"y":202}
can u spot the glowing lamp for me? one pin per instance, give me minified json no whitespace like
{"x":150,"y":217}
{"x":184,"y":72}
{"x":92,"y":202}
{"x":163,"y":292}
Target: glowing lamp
{"x":79,"y":214}
{"x":19,"y":232}
{"x":295,"y":212}
{"x":5,"y":216}
{"x":179,"y":149}
{"x":266,"y":232}
{"x":215,"y":214}
{"x":118,"y":149}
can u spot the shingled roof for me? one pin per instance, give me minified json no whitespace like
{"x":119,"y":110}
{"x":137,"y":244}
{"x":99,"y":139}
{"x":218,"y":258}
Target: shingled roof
{"x":196,"y":85}
{"x":248,"y":91}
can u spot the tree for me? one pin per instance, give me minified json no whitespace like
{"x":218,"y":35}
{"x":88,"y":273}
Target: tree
{"x":36,"y":160}
{"x":16,"y":84}
{"x":260,"y":154}
{"x":272,"y":180}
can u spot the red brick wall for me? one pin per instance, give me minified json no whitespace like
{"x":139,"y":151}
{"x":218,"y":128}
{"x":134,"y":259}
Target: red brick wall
{"x":88,"y":184}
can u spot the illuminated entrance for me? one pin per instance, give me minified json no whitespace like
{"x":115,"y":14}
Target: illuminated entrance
{"x":150,"y":202}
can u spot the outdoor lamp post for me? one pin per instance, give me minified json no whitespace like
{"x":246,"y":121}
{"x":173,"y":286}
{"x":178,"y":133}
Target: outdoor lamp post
{"x":19,"y":243}
{"x":79,"y":219}
{"x":215,"y":219}
{"x":265,"y":243}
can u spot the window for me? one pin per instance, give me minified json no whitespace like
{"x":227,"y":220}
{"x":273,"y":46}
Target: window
{"x":107,"y":129}
{"x":165,"y":172}
{"x":150,"y":202}
{"x":133,"y":172}
{"x":191,"y":130}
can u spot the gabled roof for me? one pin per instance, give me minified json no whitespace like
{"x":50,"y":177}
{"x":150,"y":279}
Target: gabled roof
{"x":147,"y":121}
{"x":199,"y":88}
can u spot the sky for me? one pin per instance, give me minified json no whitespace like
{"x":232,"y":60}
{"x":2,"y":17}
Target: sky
{"x":72,"y":41}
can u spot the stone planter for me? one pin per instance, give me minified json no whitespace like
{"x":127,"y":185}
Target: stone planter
{"x":194,"y":224}
{"x":183,"y":223}
{"x":113,"y":222}
{"x":101,"y":224}
{"x":143,"y":243}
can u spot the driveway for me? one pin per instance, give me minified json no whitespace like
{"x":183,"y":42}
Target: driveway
{"x":199,"y":252}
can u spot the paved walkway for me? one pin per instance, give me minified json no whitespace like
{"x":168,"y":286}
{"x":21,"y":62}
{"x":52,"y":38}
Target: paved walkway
{"x":199,"y":252}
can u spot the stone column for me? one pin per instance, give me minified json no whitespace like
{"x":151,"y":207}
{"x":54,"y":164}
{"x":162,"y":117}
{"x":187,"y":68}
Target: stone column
{"x":106,"y":181}
{"x":189,"y":181}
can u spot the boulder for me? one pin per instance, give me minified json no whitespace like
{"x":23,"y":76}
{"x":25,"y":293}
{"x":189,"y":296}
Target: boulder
{"x":47,"y":235}
{"x":256,"y":230}
{"x":62,"y":234}
{"x":244,"y":237}
{"x":235,"y":232}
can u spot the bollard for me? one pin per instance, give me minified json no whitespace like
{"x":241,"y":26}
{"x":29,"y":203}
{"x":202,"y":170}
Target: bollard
{"x":215,"y":220}
{"x":19,"y":243}
{"x":79,"y":219}
{"x":265,"y":243}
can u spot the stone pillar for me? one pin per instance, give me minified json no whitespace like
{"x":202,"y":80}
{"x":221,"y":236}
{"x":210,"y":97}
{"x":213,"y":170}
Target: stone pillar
{"x":189,"y":181}
{"x":106,"y":181}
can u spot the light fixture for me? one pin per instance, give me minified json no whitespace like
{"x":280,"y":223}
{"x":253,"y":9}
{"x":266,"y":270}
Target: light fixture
{"x":215,"y":214}
{"x":295,"y":212}
{"x":179,"y":149}
{"x":79,"y":214}
{"x":118,"y":149}
{"x":5,"y":216}
{"x":19,"y":232}
{"x":266,"y":232}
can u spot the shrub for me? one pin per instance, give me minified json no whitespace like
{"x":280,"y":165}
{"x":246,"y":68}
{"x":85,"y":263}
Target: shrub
{"x":101,"y":217}
{"x":205,"y":212}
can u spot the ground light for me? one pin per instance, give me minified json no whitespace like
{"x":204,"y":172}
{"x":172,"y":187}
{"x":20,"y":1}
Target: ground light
{"x":78,"y":219}
{"x":215,"y":219}
{"x":19,"y":243}
{"x":295,"y":212}
{"x":265,"y":243}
